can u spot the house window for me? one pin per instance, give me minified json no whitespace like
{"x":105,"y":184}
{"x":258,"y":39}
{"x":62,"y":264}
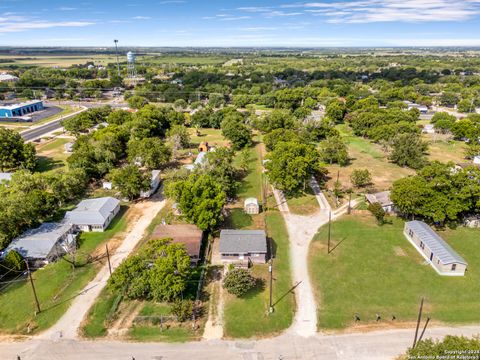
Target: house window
{"x":454,"y":267}
{"x":410,"y":232}
{"x":422,"y":245}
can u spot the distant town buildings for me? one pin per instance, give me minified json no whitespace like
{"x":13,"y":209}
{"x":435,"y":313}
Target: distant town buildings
{"x":7,"y":78}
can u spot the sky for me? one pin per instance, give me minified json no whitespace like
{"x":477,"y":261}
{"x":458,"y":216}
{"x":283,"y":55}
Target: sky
{"x":240,"y":23}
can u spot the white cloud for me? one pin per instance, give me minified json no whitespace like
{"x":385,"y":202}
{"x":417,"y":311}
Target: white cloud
{"x":9,"y":24}
{"x":66,"y":8}
{"x":141,"y":17}
{"x":368,"y":11}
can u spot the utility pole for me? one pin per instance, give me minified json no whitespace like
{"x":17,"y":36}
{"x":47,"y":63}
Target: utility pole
{"x":418,"y":323}
{"x":108,"y":257}
{"x":349,"y":202}
{"x":270,"y":270}
{"x":329,"y":229}
{"x":116,"y":53}
{"x":33,"y":287}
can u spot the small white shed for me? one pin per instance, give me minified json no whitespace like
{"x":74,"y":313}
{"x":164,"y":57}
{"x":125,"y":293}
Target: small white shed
{"x":251,"y":206}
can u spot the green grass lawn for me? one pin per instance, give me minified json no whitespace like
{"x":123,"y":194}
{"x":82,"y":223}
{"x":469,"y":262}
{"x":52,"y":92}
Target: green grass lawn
{"x":214,"y":137}
{"x":56,"y":286}
{"x":366,"y":155}
{"x":375,"y":269}
{"x":248,"y":316}
{"x":445,"y":151}
{"x":251,"y":185}
{"x":304,"y":204}
{"x":51,"y":155}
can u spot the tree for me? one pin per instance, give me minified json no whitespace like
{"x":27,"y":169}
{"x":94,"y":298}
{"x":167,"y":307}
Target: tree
{"x":14,"y":153}
{"x":179,"y":136}
{"x":200,"y":198}
{"x":130,"y":181}
{"x":336,"y":111}
{"x":334,"y":150}
{"x":149,"y":152}
{"x":244,"y":160}
{"x":361,"y":178}
{"x":455,"y":345}
{"x":119,"y":117}
{"x":409,"y":150}
{"x":291,"y":165}
{"x":280,"y":135}
{"x":137,"y":102}
{"x":13,"y":260}
{"x":465,"y":106}
{"x":182,"y":309}
{"x":239,"y":282}
{"x":219,"y":165}
{"x":159,"y":272}
{"x":472,"y":150}
{"x":377,"y":210}
{"x":237,"y":132}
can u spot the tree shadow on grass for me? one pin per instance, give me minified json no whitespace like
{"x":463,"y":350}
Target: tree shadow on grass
{"x":256,"y":290}
{"x":45,"y":163}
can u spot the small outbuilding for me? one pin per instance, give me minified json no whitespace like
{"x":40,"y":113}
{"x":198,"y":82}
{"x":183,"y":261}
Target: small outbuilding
{"x":251,"y":206}
{"x":434,"y":249}
{"x":189,"y":235}
{"x":46,"y":243}
{"x":383,"y":198}
{"x":243,"y":246}
{"x":94,"y":214}
{"x":107,"y":185}
{"x":154,"y":184}
{"x":204,"y":147}
{"x":5,"y":177}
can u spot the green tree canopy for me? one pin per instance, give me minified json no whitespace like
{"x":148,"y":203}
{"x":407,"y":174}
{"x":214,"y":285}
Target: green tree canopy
{"x":130,"y":181}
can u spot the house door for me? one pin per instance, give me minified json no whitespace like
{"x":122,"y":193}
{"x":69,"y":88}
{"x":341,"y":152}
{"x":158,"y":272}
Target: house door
{"x":431,"y":256}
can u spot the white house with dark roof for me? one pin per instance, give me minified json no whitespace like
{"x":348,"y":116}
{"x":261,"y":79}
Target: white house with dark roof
{"x":94,"y":214}
{"x":237,"y":246}
{"x":434,"y":249}
{"x":46,"y":243}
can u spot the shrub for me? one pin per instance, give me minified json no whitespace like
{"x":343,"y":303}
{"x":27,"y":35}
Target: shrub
{"x":239,"y":281}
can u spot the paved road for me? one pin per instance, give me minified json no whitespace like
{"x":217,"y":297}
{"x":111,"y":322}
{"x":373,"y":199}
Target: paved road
{"x":379,"y":345}
{"x":41,"y":130}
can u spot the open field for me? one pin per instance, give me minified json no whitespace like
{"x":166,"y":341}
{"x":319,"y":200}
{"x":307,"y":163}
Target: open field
{"x":55,"y":60}
{"x":251,"y":185}
{"x":375,"y":270}
{"x":444,"y":150}
{"x":56,"y":284}
{"x":366,"y":155}
{"x":214,"y":137}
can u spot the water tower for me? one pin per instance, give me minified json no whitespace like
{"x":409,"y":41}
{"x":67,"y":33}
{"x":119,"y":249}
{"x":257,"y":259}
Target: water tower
{"x":131,"y":65}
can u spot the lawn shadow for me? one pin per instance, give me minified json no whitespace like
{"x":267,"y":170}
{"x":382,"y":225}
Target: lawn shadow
{"x":45,"y":163}
{"x":290,"y":291}
{"x":259,"y":288}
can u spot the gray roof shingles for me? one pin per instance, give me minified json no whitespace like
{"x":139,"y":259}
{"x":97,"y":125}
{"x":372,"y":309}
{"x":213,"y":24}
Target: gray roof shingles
{"x":243,"y":241}
{"x":92,"y":211}
{"x":38,"y":243}
{"x":435,"y":243}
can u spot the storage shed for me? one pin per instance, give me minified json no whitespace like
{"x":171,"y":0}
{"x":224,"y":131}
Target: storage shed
{"x":383,"y":198}
{"x":251,"y":206}
{"x":434,"y":249}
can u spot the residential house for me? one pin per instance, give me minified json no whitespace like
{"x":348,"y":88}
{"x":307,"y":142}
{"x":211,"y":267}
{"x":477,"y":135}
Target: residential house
{"x":8,"y":78}
{"x":251,"y":206}
{"x":94,"y":214}
{"x":189,"y":235}
{"x":383,"y":198}
{"x":434,"y":249}
{"x":45,"y":244}
{"x":243,"y":246}
{"x":154,"y":184}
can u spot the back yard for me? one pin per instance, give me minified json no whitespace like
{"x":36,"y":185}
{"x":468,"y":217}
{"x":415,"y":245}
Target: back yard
{"x":56,"y":284}
{"x":374,"y":270}
{"x":366,"y":155}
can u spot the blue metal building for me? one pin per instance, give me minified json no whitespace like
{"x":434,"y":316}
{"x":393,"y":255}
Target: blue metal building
{"x":21,"y":109}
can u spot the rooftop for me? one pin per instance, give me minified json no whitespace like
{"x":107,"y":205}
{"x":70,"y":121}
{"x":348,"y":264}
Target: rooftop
{"x":18,"y":105}
{"x":5,"y":176}
{"x":250,"y":201}
{"x":435,"y":243}
{"x":383,"y":198}
{"x":38,"y":243}
{"x":92,"y":211}
{"x":243,"y":241}
{"x":187,"y":234}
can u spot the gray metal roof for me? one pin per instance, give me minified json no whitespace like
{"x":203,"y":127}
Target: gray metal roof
{"x":243,"y":241}
{"x":38,"y":243}
{"x":435,"y":243}
{"x":92,"y":211}
{"x":383,"y":198}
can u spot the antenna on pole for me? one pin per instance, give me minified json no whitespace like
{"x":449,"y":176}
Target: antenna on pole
{"x":116,"y":54}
